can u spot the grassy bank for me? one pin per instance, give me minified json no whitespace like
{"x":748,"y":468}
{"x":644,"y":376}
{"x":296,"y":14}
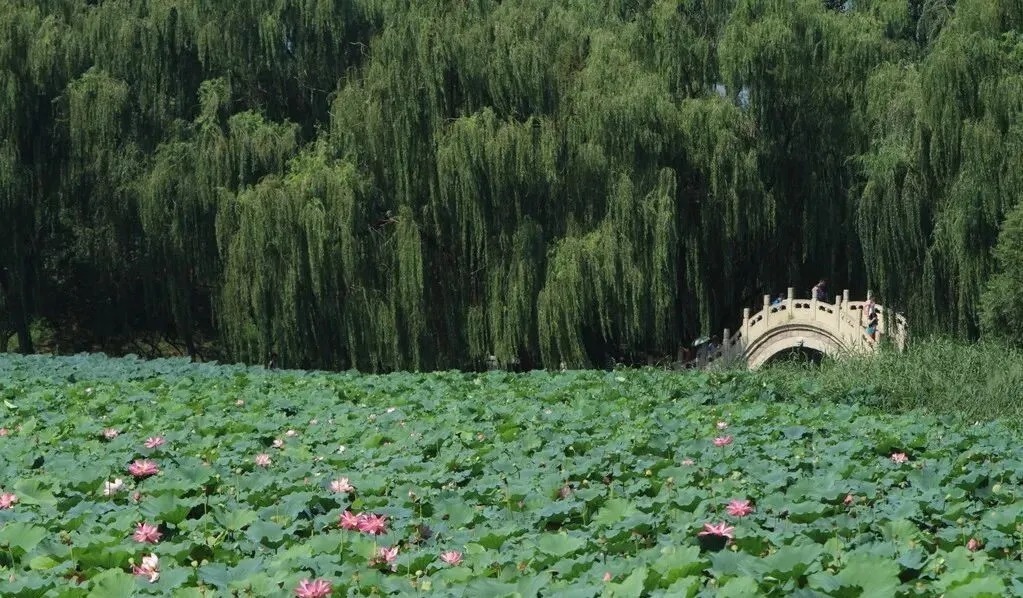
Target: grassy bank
{"x":982,"y":380}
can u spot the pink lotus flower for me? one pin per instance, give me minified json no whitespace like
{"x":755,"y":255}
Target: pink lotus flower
{"x":607,"y":576}
{"x":110,"y":433}
{"x":291,"y":433}
{"x":451,"y":557}
{"x":341,"y":485}
{"x":721,"y":529}
{"x":154,"y":441}
{"x":373,"y":524}
{"x":143,"y":468}
{"x":739,"y":508}
{"x":849,"y":500}
{"x":136,"y":497}
{"x":278,"y":443}
{"x":899,"y":458}
{"x":146,"y":533}
{"x":386,"y":556}
{"x":4,"y":432}
{"x":350,"y":521}
{"x":263,"y":460}
{"x":973,"y":545}
{"x":688,"y":462}
{"x":722,"y":425}
{"x":239,"y":403}
{"x":7,"y":500}
{"x":150,"y":568}
{"x":722,"y":441}
{"x":112,"y":488}
{"x":317,"y":588}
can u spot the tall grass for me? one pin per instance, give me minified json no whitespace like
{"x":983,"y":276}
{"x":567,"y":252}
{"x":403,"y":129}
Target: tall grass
{"x":981,"y":380}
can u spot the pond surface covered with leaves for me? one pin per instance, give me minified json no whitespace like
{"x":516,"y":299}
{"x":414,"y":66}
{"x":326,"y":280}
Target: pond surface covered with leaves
{"x":163,"y":478}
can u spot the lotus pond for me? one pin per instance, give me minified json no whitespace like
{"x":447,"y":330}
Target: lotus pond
{"x":120,"y":477}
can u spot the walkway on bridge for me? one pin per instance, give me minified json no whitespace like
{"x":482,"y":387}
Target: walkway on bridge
{"x":833,"y":329}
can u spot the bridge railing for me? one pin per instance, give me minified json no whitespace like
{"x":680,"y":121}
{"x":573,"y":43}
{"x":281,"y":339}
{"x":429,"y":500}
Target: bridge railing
{"x":844,"y":319}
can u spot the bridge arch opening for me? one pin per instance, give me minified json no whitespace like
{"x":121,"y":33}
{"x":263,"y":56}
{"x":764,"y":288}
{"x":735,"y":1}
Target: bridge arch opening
{"x":788,"y":338}
{"x":801,"y":356}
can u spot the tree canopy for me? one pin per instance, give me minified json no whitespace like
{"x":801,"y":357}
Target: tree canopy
{"x":392,"y":185}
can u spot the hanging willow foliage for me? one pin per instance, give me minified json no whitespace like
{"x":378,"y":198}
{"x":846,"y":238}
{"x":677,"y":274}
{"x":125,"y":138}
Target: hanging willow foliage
{"x":190,"y":178}
{"x":382,"y":184}
{"x":943,"y":170}
{"x":309,"y":275}
{"x":607,"y":285}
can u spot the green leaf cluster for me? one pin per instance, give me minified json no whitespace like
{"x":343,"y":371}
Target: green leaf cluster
{"x":582,"y":483}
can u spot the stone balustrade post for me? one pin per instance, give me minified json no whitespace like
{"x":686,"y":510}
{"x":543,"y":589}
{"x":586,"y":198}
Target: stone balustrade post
{"x":843,"y":307}
{"x":745,"y":324}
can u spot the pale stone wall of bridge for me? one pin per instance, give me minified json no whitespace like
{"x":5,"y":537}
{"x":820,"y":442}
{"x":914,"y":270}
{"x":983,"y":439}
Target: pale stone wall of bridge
{"x":835,"y":329}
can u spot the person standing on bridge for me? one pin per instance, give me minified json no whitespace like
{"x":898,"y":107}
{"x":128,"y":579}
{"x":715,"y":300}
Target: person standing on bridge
{"x":870,"y":311}
{"x":820,"y":291}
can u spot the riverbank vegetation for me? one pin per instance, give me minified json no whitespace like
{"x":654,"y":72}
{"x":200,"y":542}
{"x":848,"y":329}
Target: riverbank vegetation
{"x":970,"y":381}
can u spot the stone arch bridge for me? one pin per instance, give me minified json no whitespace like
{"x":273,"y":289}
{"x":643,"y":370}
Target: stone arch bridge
{"x":833,"y":329}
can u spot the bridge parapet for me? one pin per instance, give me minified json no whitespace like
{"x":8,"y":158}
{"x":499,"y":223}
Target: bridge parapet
{"x":831,"y":328}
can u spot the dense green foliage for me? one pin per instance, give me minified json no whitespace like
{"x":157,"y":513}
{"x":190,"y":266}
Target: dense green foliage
{"x":972,"y":381}
{"x":386,"y":184}
{"x":583,"y":483}
{"x":1002,"y":302}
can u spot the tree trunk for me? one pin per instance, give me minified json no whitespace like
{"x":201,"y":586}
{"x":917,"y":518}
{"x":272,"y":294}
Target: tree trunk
{"x":17,"y":324}
{"x":21,"y":318}
{"x":24,"y":335}
{"x":13,"y":288}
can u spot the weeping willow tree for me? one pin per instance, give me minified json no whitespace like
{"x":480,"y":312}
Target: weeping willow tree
{"x":288,"y":244}
{"x":14,"y":301}
{"x":729,"y":219}
{"x":103,"y":248}
{"x":943,"y":169}
{"x":1002,"y":302}
{"x":803,"y":69}
{"x":91,"y":92}
{"x":894,"y":213}
{"x":382,"y":184}
{"x":611,"y":281}
{"x":31,"y":74}
{"x":214,"y":158}
{"x":614,"y":284}
{"x":500,"y":179}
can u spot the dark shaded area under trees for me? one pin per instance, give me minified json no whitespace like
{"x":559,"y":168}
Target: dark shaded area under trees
{"x":382,"y":184}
